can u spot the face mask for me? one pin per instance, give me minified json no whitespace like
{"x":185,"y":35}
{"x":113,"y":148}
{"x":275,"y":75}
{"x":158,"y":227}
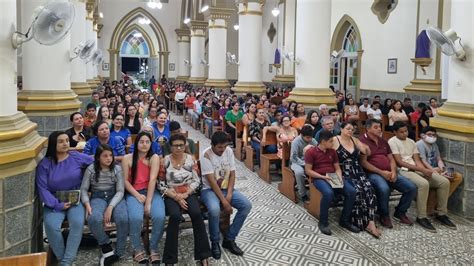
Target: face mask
{"x":430,"y":140}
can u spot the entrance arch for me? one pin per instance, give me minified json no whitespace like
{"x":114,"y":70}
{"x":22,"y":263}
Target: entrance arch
{"x":125,"y":26}
{"x":346,"y":73}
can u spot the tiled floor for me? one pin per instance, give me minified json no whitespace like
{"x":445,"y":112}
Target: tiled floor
{"x":279,"y":232}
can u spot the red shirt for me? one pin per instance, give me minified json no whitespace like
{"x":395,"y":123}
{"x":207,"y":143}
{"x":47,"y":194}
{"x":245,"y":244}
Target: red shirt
{"x":414,"y":116}
{"x":379,"y":152}
{"x":142,"y":177}
{"x":322,"y":161}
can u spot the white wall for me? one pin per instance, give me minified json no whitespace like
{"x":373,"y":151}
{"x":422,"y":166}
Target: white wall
{"x":268,"y":48}
{"x":168,"y":17}
{"x":394,"y":39}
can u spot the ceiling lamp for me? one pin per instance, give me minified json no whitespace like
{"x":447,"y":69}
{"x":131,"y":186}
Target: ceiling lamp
{"x":155,"y":4}
{"x":101,"y":15}
{"x":236,"y":27}
{"x":204,"y":6}
{"x":275,"y":12}
{"x":186,"y":20}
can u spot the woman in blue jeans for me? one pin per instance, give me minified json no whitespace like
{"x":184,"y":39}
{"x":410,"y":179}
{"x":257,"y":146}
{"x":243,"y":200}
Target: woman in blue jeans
{"x":140,"y":174}
{"x":104,"y":180}
{"x":61,"y":170}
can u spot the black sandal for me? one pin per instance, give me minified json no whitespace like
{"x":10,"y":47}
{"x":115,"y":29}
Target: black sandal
{"x":140,"y":257}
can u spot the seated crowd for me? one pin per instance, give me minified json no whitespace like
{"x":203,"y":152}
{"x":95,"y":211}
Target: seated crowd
{"x":131,"y":161}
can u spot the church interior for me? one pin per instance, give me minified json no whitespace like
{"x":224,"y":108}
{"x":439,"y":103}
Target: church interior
{"x":235,"y":83}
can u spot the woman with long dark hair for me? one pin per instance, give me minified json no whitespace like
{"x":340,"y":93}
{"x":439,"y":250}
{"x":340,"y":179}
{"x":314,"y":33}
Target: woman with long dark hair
{"x":118,"y":129}
{"x":104,"y":180}
{"x":102,"y":136}
{"x":140,"y":174}
{"x":60,"y":171}
{"x":132,"y":119}
{"x":424,"y":119}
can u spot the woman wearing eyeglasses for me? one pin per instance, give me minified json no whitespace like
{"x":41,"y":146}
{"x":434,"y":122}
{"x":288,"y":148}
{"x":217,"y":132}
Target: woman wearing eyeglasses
{"x":118,"y":129}
{"x":178,"y":183}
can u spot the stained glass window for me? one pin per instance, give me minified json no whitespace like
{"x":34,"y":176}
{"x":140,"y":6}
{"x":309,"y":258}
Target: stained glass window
{"x":134,"y":46}
{"x":351,"y":44}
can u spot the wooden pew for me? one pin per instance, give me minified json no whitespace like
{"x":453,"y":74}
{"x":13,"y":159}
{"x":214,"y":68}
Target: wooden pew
{"x":287,"y":185}
{"x":239,"y":135}
{"x":267,"y":158}
{"x":361,"y":123}
{"x":34,"y":259}
{"x":249,"y":157}
{"x":314,"y":203}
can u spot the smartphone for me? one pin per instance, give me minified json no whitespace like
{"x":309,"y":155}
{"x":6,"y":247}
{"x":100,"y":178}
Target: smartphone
{"x":450,"y":171}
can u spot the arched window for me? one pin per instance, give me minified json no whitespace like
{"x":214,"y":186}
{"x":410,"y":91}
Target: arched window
{"x":134,"y":46}
{"x":350,"y":44}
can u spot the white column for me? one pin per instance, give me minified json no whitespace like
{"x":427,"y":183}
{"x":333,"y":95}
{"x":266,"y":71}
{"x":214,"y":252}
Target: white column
{"x":461,"y":74}
{"x":250,"y":42}
{"x":198,"y":38}
{"x":96,"y":67}
{"x":78,"y":35}
{"x":183,"y":54}
{"x":218,"y":48}
{"x":312,"y":72}
{"x":8,"y":71}
{"x":45,"y":67}
{"x":90,"y":33}
{"x":289,"y":18}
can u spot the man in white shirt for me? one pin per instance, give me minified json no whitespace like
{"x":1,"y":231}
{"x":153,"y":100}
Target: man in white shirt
{"x":408,"y":160}
{"x":374,"y":112}
{"x":218,"y":171}
{"x":365,"y":106}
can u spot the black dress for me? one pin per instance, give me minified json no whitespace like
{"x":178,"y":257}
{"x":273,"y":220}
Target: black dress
{"x":365,"y":204}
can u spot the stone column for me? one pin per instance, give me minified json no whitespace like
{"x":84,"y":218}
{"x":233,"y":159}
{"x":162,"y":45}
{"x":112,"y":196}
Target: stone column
{"x":96,"y":38}
{"x":218,"y":47}
{"x":455,"y":120}
{"x":21,"y":229}
{"x":312,"y":72}
{"x":250,"y":49}
{"x":183,"y":54}
{"x":286,"y":40}
{"x":198,"y":38}
{"x":46,"y":97}
{"x":113,"y":53}
{"x":78,"y":66}
{"x":90,"y":34}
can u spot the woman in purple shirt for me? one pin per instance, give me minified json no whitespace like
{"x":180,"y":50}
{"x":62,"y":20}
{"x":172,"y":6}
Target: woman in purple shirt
{"x":61,"y":170}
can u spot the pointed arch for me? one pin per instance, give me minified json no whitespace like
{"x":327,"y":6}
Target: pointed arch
{"x":120,"y":30}
{"x":347,"y":29}
{"x":145,"y":35}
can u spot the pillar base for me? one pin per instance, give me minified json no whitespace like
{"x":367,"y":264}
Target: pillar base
{"x":197,"y":80}
{"x":455,"y":127}
{"x":218,"y":83}
{"x":182,"y":78}
{"x":81,"y":88}
{"x":313,"y":97}
{"x":98,"y":80}
{"x":284,"y":79}
{"x":424,"y":87}
{"x":243,"y":87}
{"x":49,"y":109}
{"x":20,"y":216}
{"x":92,"y":84}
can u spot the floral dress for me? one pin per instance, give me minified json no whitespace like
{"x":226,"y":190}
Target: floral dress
{"x":365,"y":204}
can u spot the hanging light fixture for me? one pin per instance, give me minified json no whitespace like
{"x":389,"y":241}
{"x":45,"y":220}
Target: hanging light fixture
{"x":204,"y":5}
{"x":276,"y":11}
{"x":236,"y":26}
{"x":101,"y":15}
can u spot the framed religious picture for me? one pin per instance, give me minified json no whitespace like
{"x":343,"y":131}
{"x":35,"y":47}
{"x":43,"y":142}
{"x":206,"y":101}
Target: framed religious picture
{"x":270,"y":68}
{"x":105,"y":66}
{"x":171,"y":67}
{"x":392,"y":66}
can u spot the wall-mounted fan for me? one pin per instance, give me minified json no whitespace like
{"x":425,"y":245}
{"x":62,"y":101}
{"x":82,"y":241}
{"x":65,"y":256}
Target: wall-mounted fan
{"x":290,"y":56}
{"x":204,"y":62}
{"x":187,"y":63}
{"x":84,"y":50}
{"x":96,"y":57}
{"x":446,"y":41}
{"x":232,"y":59}
{"x":50,"y":24}
{"x":335,"y":55}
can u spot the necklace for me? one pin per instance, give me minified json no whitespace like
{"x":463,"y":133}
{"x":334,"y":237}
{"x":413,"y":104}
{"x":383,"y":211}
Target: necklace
{"x":178,"y":162}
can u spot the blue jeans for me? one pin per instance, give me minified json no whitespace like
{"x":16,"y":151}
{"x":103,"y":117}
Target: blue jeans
{"x":328,"y":195}
{"x":135,"y":218}
{"x":52,"y":224}
{"x":209,"y":123}
{"x":119,"y":216}
{"x":383,"y":189}
{"x":268,"y":149}
{"x":212,"y":202}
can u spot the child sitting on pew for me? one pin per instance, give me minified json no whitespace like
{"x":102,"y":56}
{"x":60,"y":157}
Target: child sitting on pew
{"x":321,"y":161}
